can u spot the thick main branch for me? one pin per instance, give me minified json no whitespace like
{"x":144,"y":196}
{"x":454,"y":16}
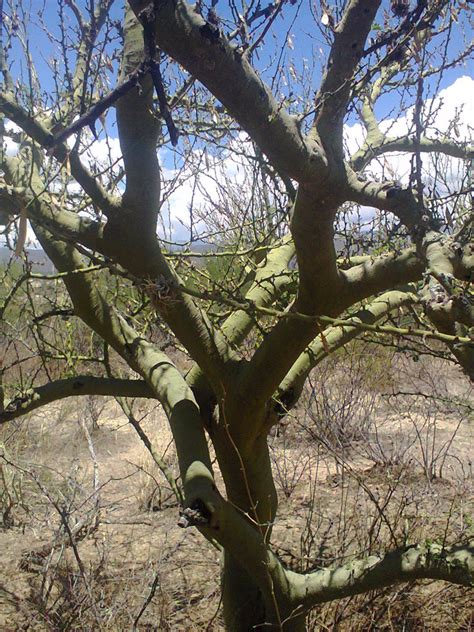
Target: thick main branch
{"x":72,"y":387}
{"x":207,"y":55}
{"x":424,"y":561}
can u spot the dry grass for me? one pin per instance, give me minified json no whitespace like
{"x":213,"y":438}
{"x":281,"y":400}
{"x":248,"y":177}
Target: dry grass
{"x":90,"y":537}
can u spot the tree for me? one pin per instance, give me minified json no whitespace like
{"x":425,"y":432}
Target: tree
{"x":192,"y":77}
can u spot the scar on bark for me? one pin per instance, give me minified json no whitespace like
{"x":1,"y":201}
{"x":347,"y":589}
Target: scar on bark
{"x":196,"y":515}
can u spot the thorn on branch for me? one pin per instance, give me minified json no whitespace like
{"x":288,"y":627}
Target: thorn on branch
{"x":400,"y":8}
{"x":210,"y":32}
{"x":284,"y":402}
{"x":390,"y":38}
{"x":161,"y":291}
{"x":212,"y":17}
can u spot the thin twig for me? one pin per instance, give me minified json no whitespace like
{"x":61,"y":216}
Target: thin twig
{"x":147,"y":19}
{"x":250,"y":306}
{"x":89,"y":118}
{"x":147,"y":601}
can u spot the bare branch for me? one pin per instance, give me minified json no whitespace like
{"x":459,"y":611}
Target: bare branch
{"x":39,"y":133}
{"x":71,"y":387}
{"x":183,"y":34}
{"x":346,"y":52}
{"x":337,"y":336}
{"x":45,"y":210}
{"x":409,"y":145}
{"x":424,"y":561}
{"x":89,"y":118}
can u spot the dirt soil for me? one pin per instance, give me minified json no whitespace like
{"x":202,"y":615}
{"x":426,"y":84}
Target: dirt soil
{"x":411,"y":479}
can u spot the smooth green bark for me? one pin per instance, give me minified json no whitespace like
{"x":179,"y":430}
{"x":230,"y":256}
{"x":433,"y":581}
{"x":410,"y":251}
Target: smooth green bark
{"x":229,"y":394}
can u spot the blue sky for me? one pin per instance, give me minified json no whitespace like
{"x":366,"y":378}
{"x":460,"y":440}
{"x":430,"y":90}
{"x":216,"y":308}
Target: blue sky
{"x":297,"y":39}
{"x":296,"y":34}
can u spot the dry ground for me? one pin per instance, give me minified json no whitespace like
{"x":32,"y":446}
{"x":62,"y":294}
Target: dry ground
{"x":408,"y":476}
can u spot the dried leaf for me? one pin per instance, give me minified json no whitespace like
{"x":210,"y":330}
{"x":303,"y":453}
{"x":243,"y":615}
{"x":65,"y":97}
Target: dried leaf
{"x":20,"y":242}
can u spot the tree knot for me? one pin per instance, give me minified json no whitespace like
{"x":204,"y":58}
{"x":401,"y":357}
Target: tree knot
{"x":196,"y":515}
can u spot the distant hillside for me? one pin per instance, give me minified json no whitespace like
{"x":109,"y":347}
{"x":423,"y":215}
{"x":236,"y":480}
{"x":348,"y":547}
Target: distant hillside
{"x":41,"y":263}
{"x":38,"y":259}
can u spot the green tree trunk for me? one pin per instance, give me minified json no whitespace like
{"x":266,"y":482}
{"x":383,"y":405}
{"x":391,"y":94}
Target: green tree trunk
{"x":250,"y":486}
{"x":244,"y":605}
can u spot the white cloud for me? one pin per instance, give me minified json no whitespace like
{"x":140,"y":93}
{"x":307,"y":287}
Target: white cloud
{"x":354,"y":137}
{"x":231,"y":170}
{"x":209,"y":186}
{"x":222,"y":179}
{"x":448,"y":114}
{"x":454,"y":103}
{"x":11,"y":147}
{"x":103,"y":152}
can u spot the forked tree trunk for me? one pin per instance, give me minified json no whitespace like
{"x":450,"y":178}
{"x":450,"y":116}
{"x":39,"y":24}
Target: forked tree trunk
{"x":245,"y":607}
{"x":243,"y":603}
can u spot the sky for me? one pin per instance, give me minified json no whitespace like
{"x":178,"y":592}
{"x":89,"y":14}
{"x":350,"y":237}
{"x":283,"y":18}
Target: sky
{"x":297,"y":35}
{"x":304,"y":50}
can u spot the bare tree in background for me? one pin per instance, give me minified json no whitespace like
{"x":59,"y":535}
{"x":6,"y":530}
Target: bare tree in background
{"x":205,"y":86}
